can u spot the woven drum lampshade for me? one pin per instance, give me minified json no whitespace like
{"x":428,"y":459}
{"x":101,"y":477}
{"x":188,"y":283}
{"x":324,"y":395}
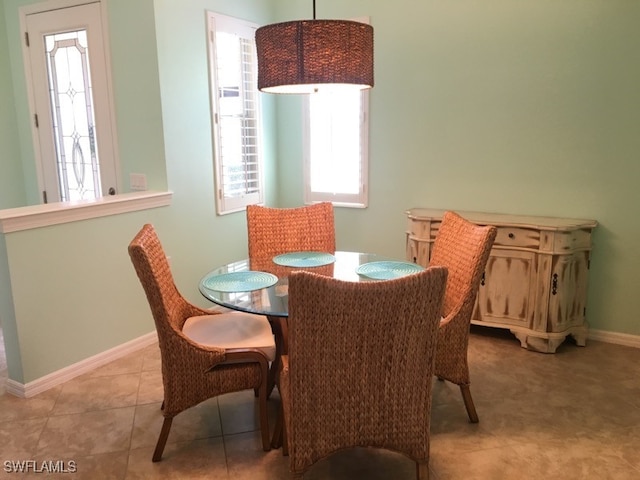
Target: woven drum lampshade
{"x":306,"y":55}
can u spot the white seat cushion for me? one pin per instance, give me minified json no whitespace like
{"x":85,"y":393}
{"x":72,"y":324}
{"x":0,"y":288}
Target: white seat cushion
{"x":232,"y":330}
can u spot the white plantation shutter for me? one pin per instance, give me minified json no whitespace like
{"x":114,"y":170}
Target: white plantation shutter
{"x":236,"y":113}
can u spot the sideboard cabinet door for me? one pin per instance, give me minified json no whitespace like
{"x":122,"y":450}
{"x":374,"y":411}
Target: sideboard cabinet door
{"x":568,"y":298}
{"x":507,"y":291}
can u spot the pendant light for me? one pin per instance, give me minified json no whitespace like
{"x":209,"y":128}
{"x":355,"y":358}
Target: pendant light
{"x":304,"y":56}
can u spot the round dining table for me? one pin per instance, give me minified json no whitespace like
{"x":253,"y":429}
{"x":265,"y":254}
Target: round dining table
{"x":268,"y":294}
{"x":261,"y":286}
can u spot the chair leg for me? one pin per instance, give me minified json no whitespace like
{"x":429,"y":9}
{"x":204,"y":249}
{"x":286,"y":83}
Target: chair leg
{"x":285,"y":439}
{"x":276,"y":440}
{"x":279,"y":438}
{"x":422,"y":470}
{"x":278,"y":326}
{"x":162,"y":439}
{"x":468,"y":403}
{"x":264,"y":417}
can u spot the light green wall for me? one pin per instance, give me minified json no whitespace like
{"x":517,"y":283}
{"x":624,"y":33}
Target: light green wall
{"x":137,"y":90}
{"x":12,"y":192}
{"x":74,"y":290}
{"x":136,"y":98}
{"x":529,"y":107}
{"x":520,"y":107}
{"x":63,"y":326}
{"x":7,"y":316}
{"x":184,"y":81}
{"x":20,"y":117}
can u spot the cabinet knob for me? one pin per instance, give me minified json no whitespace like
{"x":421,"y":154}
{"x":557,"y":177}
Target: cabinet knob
{"x":512,"y":236}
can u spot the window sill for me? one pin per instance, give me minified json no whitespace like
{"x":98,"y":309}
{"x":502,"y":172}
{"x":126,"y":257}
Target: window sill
{"x":36,"y":216}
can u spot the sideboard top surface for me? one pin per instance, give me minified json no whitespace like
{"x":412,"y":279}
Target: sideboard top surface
{"x":499,"y":219}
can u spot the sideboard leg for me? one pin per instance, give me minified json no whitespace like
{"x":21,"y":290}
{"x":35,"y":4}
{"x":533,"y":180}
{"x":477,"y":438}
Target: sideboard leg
{"x":539,"y":344}
{"x":522,"y":337}
{"x":580,"y":336}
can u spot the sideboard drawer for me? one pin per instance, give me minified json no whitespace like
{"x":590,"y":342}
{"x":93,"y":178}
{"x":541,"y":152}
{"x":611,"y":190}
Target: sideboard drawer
{"x":420,"y":229}
{"x":571,"y":241}
{"x":518,"y":237}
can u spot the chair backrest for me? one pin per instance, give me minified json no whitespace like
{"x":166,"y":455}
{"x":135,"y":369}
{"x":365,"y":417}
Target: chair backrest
{"x":168,"y":307}
{"x":361,"y":357}
{"x":463,"y":247}
{"x":273,"y":231}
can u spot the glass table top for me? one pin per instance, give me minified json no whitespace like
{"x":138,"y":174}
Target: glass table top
{"x":271,"y":296}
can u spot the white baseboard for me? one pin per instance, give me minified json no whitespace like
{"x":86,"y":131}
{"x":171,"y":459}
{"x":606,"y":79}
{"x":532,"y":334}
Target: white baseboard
{"x":56,"y":378}
{"x":625,"y":339}
{"x":65,"y":374}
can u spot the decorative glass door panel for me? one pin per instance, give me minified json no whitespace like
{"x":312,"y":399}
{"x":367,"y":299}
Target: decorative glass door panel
{"x":72,"y":115}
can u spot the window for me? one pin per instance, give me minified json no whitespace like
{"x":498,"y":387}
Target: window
{"x":336,"y":147}
{"x":235,"y":106}
{"x":73,"y":116}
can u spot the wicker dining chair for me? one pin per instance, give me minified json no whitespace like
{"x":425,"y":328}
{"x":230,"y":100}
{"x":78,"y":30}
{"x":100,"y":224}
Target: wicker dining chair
{"x":273,"y":231}
{"x":349,"y":379}
{"x":463,"y":248}
{"x":203,"y":353}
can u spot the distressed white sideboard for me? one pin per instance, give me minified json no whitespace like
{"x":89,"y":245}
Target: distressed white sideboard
{"x":535,"y":281}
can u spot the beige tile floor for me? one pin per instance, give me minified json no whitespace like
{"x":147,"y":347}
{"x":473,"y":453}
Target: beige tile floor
{"x":572,"y":415}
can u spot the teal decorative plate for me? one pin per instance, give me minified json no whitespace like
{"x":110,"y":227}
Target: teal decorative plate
{"x":388,"y":270}
{"x":240,"y":281}
{"x":304,"y":259}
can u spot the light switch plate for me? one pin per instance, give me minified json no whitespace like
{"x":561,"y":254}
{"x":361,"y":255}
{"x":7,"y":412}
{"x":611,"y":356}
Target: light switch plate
{"x":138,"y":181}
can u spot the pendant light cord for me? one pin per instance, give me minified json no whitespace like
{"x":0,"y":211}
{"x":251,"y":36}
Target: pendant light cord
{"x":314,"y":9}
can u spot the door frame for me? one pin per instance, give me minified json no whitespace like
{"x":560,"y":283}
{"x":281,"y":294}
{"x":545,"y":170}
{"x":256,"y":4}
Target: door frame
{"x":50,"y":5}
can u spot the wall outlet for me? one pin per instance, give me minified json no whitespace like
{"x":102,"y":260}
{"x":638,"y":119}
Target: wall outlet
{"x":138,"y":181}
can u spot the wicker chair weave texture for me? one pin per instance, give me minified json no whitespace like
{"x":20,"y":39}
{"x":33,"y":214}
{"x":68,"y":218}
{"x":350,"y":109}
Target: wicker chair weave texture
{"x":350,"y":378}
{"x":463,"y":248}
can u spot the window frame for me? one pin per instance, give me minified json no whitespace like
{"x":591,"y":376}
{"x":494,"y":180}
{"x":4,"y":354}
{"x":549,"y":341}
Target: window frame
{"x":357,"y":200}
{"x":228,"y":204}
